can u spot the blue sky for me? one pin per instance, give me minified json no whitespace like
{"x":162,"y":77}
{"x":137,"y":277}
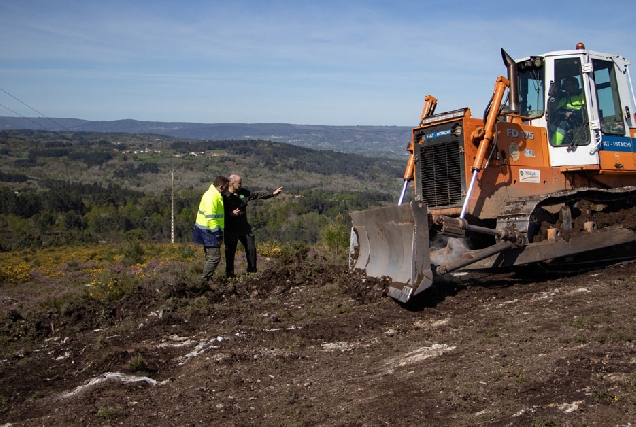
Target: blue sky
{"x":357,"y":62}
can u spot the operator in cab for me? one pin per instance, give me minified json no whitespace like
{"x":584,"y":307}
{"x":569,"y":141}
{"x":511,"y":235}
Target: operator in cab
{"x":569,"y":106}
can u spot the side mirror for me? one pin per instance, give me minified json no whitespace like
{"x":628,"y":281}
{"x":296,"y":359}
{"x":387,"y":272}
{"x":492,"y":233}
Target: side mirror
{"x":551,"y":91}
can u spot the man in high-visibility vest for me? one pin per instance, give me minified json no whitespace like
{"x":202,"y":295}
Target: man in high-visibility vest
{"x":572,"y":103}
{"x":209,"y":225}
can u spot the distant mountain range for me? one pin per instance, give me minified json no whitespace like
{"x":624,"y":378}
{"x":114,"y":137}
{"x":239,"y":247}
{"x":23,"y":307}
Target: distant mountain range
{"x":389,"y":140}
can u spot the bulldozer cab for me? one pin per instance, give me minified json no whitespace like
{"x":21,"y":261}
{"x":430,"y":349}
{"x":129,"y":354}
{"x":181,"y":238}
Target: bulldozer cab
{"x":585,"y":101}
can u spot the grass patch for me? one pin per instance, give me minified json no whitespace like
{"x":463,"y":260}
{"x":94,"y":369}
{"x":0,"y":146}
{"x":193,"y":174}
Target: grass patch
{"x":623,"y":336}
{"x":579,"y":339}
{"x":548,"y":423}
{"x":577,"y":322}
{"x":341,"y":308}
{"x":137,"y":363}
{"x":107,"y":413}
{"x":519,"y":377}
{"x":603,"y":396}
{"x":199,"y":306}
{"x":489,"y":336}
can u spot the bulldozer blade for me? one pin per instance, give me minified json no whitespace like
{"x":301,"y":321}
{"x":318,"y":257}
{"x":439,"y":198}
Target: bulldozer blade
{"x":393,"y":242}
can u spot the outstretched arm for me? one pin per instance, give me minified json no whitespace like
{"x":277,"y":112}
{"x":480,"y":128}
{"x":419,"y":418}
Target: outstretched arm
{"x":253,"y":195}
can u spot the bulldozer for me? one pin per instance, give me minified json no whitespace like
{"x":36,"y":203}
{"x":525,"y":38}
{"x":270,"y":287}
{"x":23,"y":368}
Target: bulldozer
{"x":546,"y":175}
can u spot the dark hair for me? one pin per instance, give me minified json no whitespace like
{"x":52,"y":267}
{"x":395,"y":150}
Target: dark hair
{"x":571,"y":79}
{"x":220,"y":180}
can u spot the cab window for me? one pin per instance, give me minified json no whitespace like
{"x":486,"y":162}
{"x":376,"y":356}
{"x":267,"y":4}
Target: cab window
{"x":609,"y":103}
{"x":568,"y":123}
{"x":531,"y":90}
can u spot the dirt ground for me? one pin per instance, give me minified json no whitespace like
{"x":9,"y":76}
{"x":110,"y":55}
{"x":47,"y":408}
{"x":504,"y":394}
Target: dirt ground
{"x":310,"y":344}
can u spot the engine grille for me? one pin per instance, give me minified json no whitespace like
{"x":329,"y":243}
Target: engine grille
{"x":441,"y":174}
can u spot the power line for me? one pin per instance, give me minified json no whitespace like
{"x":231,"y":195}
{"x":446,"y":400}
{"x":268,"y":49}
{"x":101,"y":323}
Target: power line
{"x":28,"y":106}
{"x":24,"y":117}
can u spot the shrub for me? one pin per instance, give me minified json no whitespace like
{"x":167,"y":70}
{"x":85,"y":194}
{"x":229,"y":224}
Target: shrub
{"x":133,"y":253}
{"x":16,"y":273}
{"x":109,"y":287}
{"x":294,"y":252}
{"x":336,"y":239}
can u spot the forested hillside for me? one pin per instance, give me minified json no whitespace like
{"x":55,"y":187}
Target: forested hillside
{"x":66,"y":187}
{"x":385,"y":140}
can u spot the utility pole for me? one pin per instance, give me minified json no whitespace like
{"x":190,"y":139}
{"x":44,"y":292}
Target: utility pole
{"x":172,"y":215}
{"x":172,"y":171}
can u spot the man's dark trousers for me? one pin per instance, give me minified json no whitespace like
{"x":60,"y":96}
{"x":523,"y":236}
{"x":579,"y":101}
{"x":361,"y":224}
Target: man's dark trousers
{"x":231,"y":242}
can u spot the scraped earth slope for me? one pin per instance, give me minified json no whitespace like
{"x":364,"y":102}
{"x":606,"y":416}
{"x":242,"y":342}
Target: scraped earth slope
{"x":314,"y":345}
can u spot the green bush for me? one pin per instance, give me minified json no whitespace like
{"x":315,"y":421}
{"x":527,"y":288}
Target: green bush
{"x":133,"y":253}
{"x":336,"y":239}
{"x":293,"y":252}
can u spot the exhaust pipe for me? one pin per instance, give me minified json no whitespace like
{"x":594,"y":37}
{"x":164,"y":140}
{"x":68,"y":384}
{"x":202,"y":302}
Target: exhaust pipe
{"x":513,"y":77}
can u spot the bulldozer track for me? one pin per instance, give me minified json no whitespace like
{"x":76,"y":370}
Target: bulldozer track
{"x":526,"y":214}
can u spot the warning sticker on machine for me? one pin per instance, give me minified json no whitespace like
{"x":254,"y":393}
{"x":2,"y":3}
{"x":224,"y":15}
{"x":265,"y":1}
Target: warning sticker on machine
{"x":529,"y":175}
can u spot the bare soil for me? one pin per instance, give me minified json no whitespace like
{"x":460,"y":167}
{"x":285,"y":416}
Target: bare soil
{"x":309,"y":344}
